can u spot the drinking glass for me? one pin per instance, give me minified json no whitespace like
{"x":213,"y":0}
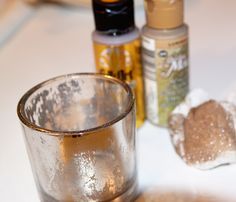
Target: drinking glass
{"x":79,"y":131}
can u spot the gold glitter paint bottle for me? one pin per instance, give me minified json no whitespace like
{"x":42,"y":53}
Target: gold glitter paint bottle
{"x":117,"y":47}
{"x":165,"y":58}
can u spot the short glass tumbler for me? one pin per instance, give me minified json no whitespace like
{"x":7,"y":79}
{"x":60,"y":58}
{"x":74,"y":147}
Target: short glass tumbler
{"x":79,"y":132}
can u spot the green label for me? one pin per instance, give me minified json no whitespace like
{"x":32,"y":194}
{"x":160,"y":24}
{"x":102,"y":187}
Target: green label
{"x":172,"y":75}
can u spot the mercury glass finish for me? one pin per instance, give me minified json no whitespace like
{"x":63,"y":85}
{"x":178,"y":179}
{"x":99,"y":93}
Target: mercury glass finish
{"x":79,"y":132}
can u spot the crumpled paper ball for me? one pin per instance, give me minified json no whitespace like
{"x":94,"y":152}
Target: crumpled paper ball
{"x":203,"y":131}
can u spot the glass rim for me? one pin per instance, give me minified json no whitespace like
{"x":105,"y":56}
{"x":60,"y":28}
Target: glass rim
{"x":29,"y":124}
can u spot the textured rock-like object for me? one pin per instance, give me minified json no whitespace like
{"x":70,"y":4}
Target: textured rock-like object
{"x":203,"y":133}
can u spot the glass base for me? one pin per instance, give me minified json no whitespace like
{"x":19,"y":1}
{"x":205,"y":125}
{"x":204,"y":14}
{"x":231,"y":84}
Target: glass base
{"x":128,"y":196}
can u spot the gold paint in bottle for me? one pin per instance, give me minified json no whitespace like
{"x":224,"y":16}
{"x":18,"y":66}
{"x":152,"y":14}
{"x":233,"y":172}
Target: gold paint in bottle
{"x":117,"y":47}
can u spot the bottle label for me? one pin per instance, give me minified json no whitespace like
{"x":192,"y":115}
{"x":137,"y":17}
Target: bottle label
{"x":166,"y":80}
{"x":124,"y":62}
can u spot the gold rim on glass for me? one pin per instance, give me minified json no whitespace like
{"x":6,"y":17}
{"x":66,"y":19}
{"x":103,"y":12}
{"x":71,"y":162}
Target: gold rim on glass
{"x":28,"y":123}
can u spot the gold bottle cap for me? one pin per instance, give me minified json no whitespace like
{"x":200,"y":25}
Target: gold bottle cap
{"x":164,"y":14}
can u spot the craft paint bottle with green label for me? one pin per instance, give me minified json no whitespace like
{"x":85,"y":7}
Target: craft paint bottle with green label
{"x":165,"y":58}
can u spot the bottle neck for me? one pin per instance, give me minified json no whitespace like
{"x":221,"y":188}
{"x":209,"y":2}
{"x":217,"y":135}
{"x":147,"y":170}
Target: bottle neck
{"x":116,"y":32}
{"x":98,"y":37}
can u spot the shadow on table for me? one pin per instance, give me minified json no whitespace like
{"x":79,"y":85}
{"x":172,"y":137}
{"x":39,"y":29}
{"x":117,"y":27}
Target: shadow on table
{"x":162,"y":195}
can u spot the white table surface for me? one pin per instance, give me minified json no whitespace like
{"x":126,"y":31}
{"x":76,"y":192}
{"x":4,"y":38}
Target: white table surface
{"x":57,"y":40}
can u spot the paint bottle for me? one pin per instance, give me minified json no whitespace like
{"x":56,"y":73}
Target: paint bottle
{"x":165,"y":58}
{"x":117,"y":46}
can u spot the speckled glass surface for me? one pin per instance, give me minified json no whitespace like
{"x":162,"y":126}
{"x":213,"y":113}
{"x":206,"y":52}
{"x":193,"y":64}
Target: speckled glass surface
{"x":79,"y":132}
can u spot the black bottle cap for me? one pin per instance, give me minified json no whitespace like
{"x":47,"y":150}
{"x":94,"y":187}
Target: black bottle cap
{"x":114,"y":17}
